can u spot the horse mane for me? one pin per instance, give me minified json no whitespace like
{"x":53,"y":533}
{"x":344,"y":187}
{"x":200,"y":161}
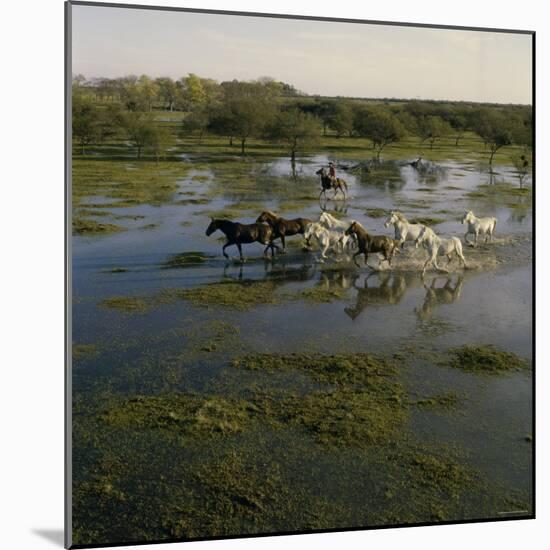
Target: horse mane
{"x":358,"y":226}
{"x":270,"y":213}
{"x":400,"y":215}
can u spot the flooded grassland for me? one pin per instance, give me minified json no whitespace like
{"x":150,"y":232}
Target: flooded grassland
{"x":217,"y":398}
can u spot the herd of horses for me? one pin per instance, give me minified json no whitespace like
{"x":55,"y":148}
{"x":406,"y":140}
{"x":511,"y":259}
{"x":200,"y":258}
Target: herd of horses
{"x":342,"y":237}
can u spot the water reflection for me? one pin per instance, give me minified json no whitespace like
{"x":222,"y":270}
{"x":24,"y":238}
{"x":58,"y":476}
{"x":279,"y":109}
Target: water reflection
{"x":282,"y":272}
{"x":381,"y":288}
{"x":336,"y":206}
{"x":372,"y":290}
{"x":449,"y":293}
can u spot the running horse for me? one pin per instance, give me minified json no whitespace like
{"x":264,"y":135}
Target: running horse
{"x":284,"y":228}
{"x":238,"y":233}
{"x":327,"y":183}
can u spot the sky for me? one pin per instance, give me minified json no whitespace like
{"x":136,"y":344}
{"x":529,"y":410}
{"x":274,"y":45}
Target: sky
{"x":317,"y":57}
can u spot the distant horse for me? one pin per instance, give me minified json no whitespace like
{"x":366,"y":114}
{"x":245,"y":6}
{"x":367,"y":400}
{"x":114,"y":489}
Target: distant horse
{"x":284,"y":228}
{"x":437,"y":246}
{"x":238,"y":233}
{"x":327,"y":183}
{"x":477,"y":226}
{"x":404,"y":230}
{"x":368,"y":243}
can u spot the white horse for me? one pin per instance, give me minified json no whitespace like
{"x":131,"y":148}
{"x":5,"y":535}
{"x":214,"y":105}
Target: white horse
{"x":334,"y":224}
{"x":437,"y":246}
{"x":477,"y":226}
{"x":404,"y":231}
{"x":325,"y":238}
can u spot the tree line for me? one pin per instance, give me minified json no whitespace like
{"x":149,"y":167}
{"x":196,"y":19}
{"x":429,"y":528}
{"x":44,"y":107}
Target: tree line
{"x":267,"y":109}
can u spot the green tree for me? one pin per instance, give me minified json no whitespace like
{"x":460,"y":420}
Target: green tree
{"x":459,"y":124}
{"x":521,"y":164}
{"x":140,"y":129}
{"x":86,"y":122}
{"x":432,"y":128}
{"x":495,"y":129}
{"x":298,"y":131}
{"x":247,"y":107}
{"x":197,"y":121}
{"x":341,"y":118}
{"x":381,"y":126}
{"x":167,"y":91}
{"x":160,"y":141}
{"x":147,"y":90}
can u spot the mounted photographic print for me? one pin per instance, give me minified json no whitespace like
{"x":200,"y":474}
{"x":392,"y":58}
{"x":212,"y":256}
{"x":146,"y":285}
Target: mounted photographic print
{"x":299,"y":274}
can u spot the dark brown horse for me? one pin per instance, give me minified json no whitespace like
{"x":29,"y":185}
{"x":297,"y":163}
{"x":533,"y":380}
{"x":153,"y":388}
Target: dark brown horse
{"x":238,"y":233}
{"x":327,"y":183}
{"x":368,"y":243}
{"x":284,"y":228}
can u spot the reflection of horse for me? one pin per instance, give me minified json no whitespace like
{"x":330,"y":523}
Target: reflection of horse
{"x":368,"y":243}
{"x":340,"y":278}
{"x":278,"y":273}
{"x":404,"y":231}
{"x":339,"y":206}
{"x":447,"y":294}
{"x":390,"y":291}
{"x":284,"y":228}
{"x":238,"y":233}
{"x":338,"y":184}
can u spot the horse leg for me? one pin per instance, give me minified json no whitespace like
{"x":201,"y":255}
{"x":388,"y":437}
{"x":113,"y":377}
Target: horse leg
{"x":239,"y":246}
{"x":466,"y":237}
{"x":428,"y":261}
{"x":475,"y":242}
{"x":224,"y":247}
{"x":283,"y":243}
{"x":325,"y":246}
{"x":355,"y":256}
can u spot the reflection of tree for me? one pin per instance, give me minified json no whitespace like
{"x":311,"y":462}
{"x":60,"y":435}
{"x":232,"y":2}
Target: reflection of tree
{"x":447,"y":294}
{"x":519,"y":213}
{"x":390,"y":290}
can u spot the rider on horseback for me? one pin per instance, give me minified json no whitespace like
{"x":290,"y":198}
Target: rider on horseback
{"x":332,"y":172}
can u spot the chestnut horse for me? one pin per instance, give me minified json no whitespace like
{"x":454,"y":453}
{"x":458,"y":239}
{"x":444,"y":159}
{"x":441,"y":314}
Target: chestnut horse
{"x":284,"y":228}
{"x":368,"y":243}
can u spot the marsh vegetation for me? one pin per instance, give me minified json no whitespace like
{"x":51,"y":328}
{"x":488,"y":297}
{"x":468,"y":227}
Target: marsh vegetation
{"x":215,"y":397}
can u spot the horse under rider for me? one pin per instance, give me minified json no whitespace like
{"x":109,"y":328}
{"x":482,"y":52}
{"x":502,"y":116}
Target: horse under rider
{"x":332,"y":172}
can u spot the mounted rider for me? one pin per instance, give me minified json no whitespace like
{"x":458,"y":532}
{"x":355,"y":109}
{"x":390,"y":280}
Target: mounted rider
{"x":332,"y":172}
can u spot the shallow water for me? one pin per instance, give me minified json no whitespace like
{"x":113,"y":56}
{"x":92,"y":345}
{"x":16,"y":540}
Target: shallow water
{"x":381,"y":312}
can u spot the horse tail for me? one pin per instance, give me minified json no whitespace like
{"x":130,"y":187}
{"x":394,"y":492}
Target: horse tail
{"x":344,"y":184}
{"x":494,"y":224}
